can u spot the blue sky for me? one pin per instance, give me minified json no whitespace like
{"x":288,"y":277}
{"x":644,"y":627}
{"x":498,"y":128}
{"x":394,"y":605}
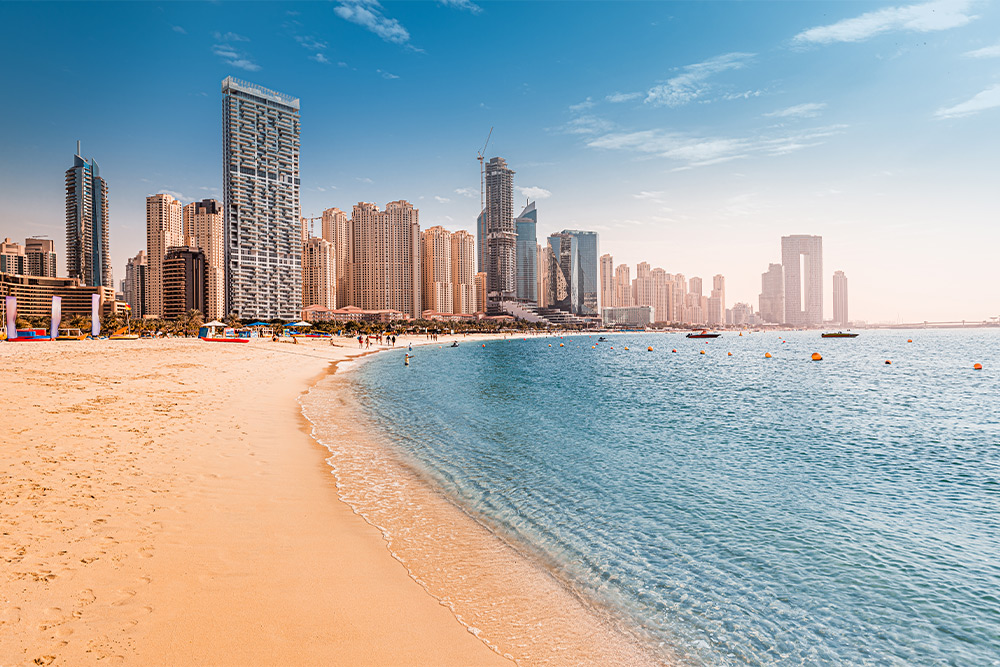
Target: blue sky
{"x":690,"y":135}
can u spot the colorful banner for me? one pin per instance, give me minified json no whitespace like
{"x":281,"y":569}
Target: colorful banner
{"x":11,"y":306}
{"x":95,"y":315}
{"x":56,"y":316}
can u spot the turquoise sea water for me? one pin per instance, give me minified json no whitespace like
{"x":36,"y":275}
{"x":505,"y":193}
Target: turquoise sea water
{"x":737,"y":509}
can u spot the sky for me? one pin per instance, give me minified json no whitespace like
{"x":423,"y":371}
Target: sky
{"x":691,"y":135}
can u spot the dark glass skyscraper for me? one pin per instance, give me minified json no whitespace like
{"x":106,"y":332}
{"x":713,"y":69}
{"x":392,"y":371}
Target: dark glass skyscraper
{"x":527,"y":254}
{"x":87,"y":245}
{"x":501,"y":235}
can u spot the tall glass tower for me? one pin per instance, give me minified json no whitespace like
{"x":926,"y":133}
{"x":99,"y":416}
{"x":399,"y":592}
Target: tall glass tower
{"x":87,"y":246}
{"x":501,"y":235}
{"x":587,"y":273}
{"x":527,"y":254}
{"x":260,"y":189}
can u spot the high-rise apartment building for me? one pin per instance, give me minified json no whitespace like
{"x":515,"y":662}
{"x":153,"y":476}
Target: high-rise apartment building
{"x":663,"y":295}
{"x":318,"y":271}
{"x":437,"y":288}
{"x":40,"y":257}
{"x":335,"y":230}
{"x":481,"y":292}
{"x":463,"y":272}
{"x":384,"y":258}
{"x":183,"y":281}
{"x":260,"y":189}
{"x":12,"y":259}
{"x":717,"y":301}
{"x":542,"y":252}
{"x":695,"y":286}
{"x":623,"y":287}
{"x":134,"y":285}
{"x":501,"y":234}
{"x":588,"y":278}
{"x":563,"y":267}
{"x":88,"y":253}
{"x":203,"y":229}
{"x":527,"y":257}
{"x":642,"y":286}
{"x":680,"y":297}
{"x":840,"y":299}
{"x":482,"y":259}
{"x":771,"y":303}
{"x":802,"y":265}
{"x":164,"y":230}
{"x":607,"y":281}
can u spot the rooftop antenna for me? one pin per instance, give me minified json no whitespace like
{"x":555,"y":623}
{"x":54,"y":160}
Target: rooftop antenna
{"x":77,"y":146}
{"x":482,"y":173}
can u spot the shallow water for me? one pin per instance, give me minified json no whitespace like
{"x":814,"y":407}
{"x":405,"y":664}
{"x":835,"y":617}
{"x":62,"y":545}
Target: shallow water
{"x":737,"y":509}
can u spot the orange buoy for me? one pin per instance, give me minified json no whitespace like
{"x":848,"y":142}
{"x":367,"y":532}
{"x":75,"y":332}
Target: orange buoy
{"x":550,"y":344}
{"x":626,"y":347}
{"x":977,"y":367}
{"x":767,"y":355}
{"x":674,"y":350}
{"x":593,"y":347}
{"x":702,"y":352}
{"x":888,"y":363}
{"x":561,"y":345}
{"x":729,"y":354}
{"x":612,"y":347}
{"x":649,"y":349}
{"x":817,"y":356}
{"x":484,"y":344}
{"x":909,"y":340}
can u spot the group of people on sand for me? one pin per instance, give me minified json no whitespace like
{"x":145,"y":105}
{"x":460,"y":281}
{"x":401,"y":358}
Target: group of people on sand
{"x":366,"y":341}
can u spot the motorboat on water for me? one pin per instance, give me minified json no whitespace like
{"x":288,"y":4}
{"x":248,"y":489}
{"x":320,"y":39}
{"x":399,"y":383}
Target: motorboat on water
{"x":704,"y":334}
{"x":839,"y":334}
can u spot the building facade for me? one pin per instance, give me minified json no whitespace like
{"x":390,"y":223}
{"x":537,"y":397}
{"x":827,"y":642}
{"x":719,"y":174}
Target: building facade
{"x":384,"y":258}
{"x":12,"y":259}
{"x":588,"y":277}
{"x":607,"y":281}
{"x":526,"y":226}
{"x":840,"y":299}
{"x":663,"y":295}
{"x":437,"y":287}
{"x":40,"y":257}
{"x":318,"y":271}
{"x":642,"y":285}
{"x":203,"y":229}
{"x":717,"y":301}
{"x":771,"y":302}
{"x":463,"y":272}
{"x":501,"y":234}
{"x":34,"y":296}
{"x":481,"y":292}
{"x":335,"y":230}
{"x":164,"y":230}
{"x":184,"y":287}
{"x":629,"y":316}
{"x":623,"y":287}
{"x":134,"y":285}
{"x":260,"y":189}
{"x":88,"y":253}
{"x":802,"y":266}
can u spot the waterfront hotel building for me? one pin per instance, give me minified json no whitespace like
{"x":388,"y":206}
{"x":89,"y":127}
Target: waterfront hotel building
{"x":260,"y":188}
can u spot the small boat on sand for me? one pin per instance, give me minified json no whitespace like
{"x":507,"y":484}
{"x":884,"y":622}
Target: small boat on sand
{"x":71,"y":334}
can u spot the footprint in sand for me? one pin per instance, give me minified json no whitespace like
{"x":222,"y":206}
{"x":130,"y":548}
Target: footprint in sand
{"x":10,"y":615}
{"x":85,"y":597}
{"x":127,"y":597}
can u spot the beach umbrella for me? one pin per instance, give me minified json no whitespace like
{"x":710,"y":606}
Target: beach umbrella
{"x":300,"y":324}
{"x":214,"y":323}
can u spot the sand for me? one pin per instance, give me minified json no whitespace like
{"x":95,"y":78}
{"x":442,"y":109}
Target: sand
{"x":161,"y":503}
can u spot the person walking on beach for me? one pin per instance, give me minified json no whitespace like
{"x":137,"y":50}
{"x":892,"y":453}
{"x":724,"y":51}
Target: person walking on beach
{"x":361,"y":340}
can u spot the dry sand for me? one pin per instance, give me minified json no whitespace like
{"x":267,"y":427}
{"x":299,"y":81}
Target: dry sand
{"x":161,"y":503}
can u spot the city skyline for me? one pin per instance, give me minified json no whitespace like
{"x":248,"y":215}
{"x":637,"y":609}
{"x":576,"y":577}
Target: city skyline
{"x":591,"y":149}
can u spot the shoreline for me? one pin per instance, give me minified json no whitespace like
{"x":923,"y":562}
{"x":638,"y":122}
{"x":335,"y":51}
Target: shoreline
{"x":578,"y":630}
{"x":164,"y":504}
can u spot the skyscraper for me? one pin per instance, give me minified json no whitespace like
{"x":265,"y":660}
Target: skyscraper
{"x":717,"y":301}
{"x":771,"y":303}
{"x":680,"y":296}
{"x":542,"y":254}
{"x":318,"y":270}
{"x":663,"y":295}
{"x":563,"y":267}
{"x":135,"y":284}
{"x":12,"y":259}
{"x":802,"y":265}
{"x":260,"y":188}
{"x":335,"y":227}
{"x":40,"y":257}
{"x":642,"y":286}
{"x":840,"y":299}
{"x":164,"y":230}
{"x":203,"y":229}
{"x":527,"y":257}
{"x":623,"y":287}
{"x":501,"y":235}
{"x":183,"y":281}
{"x":463,"y":272}
{"x":384,"y":258}
{"x":607,"y":281}
{"x":481,"y":292}
{"x":87,"y":243}
{"x":588,"y":278}
{"x":482,"y":259}
{"x":437,"y":288}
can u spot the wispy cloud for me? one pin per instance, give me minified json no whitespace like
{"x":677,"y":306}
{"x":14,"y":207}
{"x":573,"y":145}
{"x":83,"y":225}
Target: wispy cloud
{"x":467,"y":5}
{"x":368,"y":14}
{"x":233,"y":56}
{"x":697,"y":151}
{"x":692,"y":82}
{"x":179,"y":29}
{"x":229,"y":37}
{"x":988,"y":99}
{"x":363,"y":179}
{"x":176,"y":195}
{"x":618,"y":98}
{"x":656,"y":197}
{"x":807,"y":110}
{"x":534,"y":192}
{"x":581,"y":106}
{"x":387,"y":75}
{"x":310,"y":43}
{"x":588,"y":125}
{"x":466,"y":192}
{"x":985,"y":52}
{"x":320,"y":58}
{"x":441,"y":200}
{"x":925,"y":17}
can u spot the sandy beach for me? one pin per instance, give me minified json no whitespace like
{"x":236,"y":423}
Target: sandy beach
{"x":163,"y":503}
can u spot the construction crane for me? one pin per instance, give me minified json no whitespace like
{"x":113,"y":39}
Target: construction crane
{"x":482,"y":172}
